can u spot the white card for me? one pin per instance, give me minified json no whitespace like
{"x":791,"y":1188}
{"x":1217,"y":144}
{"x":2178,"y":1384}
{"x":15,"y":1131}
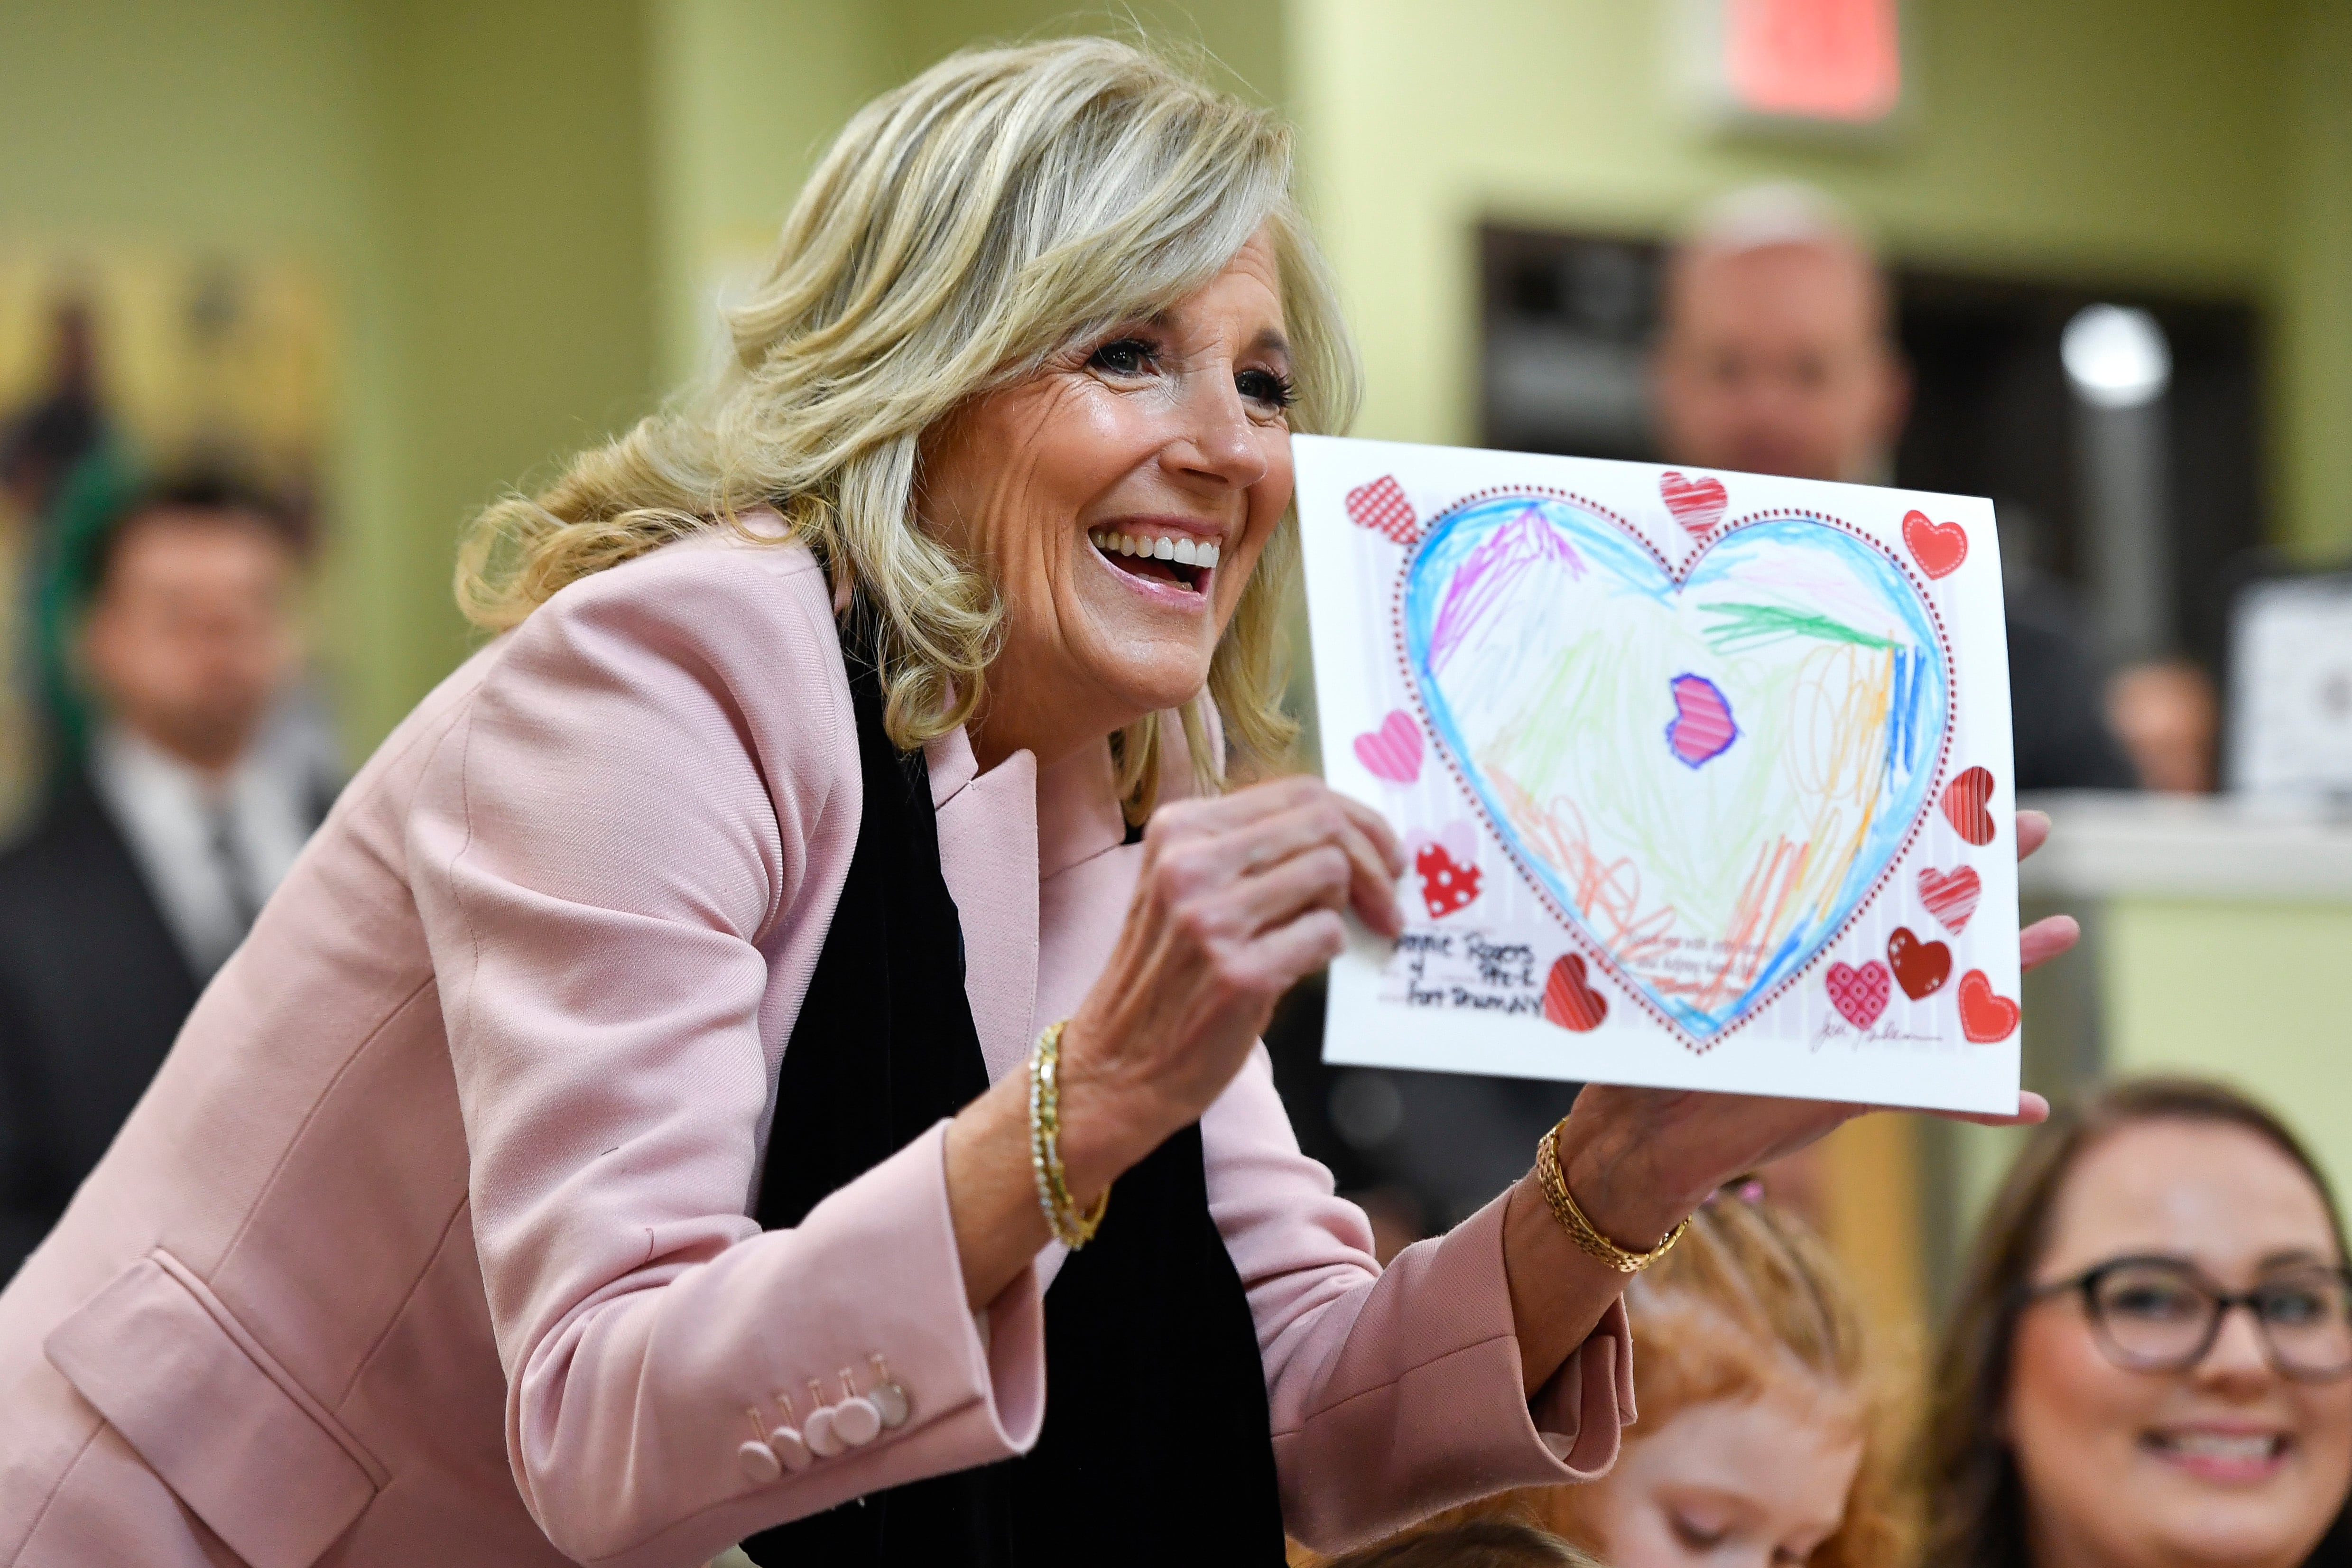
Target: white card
{"x":1704,"y":779}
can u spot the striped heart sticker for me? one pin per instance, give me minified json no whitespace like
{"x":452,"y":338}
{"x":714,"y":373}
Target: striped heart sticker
{"x":1392,"y":751}
{"x":1964,"y":805}
{"x":1696,"y":504}
{"x":1950,"y":896}
{"x":1568,"y":1000}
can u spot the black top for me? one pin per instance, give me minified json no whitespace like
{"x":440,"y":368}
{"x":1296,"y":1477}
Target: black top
{"x":1157,"y":1446}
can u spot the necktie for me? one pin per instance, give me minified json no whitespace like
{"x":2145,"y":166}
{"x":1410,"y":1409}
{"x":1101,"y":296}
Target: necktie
{"x":229,"y":864}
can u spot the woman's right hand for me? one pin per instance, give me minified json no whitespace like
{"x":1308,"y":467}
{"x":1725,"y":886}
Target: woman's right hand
{"x":1239,"y":897}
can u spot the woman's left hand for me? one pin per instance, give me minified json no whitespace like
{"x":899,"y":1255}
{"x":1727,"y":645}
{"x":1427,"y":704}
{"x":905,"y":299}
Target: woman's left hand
{"x":1638,"y":1159}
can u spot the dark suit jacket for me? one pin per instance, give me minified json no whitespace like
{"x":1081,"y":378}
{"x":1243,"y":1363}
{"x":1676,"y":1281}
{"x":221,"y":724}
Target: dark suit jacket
{"x":2057,"y":720}
{"x":93,"y":991}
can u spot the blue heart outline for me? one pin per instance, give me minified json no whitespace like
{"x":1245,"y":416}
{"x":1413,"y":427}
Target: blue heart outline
{"x":1923,"y":681}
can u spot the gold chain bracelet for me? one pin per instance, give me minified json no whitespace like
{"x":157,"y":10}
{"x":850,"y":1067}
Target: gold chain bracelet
{"x":1581,"y":1230}
{"x":1072,"y":1226}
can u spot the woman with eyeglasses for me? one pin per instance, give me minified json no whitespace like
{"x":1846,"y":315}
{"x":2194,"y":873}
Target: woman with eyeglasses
{"x":2151,"y":1362}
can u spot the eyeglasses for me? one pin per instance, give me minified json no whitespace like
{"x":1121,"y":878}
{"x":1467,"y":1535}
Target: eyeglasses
{"x":2159,"y":1314}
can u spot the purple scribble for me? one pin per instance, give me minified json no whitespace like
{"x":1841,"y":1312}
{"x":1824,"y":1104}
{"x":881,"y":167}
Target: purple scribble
{"x":1701,"y":729}
{"x":1493,"y":568}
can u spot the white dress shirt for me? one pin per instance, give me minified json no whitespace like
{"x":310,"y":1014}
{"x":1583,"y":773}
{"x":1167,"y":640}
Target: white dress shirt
{"x":210,"y":849}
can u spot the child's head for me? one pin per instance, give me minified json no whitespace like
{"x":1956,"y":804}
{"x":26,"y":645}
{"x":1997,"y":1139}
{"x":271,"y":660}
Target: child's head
{"x":1765,"y":1432}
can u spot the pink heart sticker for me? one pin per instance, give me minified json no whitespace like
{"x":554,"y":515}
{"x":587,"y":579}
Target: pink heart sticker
{"x":1859,"y":994}
{"x":1392,"y":751}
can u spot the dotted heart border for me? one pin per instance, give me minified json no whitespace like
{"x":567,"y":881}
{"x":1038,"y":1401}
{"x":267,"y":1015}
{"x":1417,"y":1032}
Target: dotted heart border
{"x":1577,"y":935}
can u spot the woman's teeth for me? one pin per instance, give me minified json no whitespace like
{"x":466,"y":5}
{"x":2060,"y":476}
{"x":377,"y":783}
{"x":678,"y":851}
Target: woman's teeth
{"x":1184,"y":552}
{"x":2226,"y":1448}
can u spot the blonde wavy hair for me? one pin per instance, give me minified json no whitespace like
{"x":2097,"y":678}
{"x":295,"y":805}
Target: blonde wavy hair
{"x":999,"y":208}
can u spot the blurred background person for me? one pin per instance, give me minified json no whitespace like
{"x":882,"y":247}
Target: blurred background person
{"x":2147,"y":1362}
{"x":1769,"y":1431}
{"x":64,"y":420}
{"x":1776,"y":355}
{"x":146,"y":864}
{"x":2168,"y":716}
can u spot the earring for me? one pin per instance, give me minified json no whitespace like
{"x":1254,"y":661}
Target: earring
{"x":890,"y":1398}
{"x":817,"y":1430}
{"x":786,"y":1440}
{"x":856,"y":1421}
{"x":759,"y":1461}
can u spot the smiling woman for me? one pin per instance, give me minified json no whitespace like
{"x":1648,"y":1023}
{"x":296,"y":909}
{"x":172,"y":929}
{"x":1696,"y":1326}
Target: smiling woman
{"x":793,"y":998}
{"x":2151,"y":1359}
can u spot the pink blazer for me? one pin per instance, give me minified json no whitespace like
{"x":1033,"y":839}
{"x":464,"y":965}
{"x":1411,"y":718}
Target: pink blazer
{"x":429,"y":1243}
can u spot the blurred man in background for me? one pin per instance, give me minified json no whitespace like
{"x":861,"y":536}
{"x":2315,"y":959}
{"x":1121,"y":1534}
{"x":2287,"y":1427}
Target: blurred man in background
{"x":1776,"y":355}
{"x":156,"y":848}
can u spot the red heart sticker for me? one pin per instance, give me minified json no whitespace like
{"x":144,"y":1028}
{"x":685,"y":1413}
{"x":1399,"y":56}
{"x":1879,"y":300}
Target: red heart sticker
{"x":1569,"y":1001}
{"x":1859,"y":994}
{"x":1986,"y":1015}
{"x":1920,"y":967}
{"x":1964,"y":807}
{"x":1950,"y":896}
{"x":1382,"y":507}
{"x":1697,"y":504}
{"x":1446,"y":884}
{"x":1937,"y":547}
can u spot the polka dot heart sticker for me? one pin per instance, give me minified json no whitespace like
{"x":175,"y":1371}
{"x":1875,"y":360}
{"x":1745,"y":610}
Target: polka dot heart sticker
{"x":1447,"y":864}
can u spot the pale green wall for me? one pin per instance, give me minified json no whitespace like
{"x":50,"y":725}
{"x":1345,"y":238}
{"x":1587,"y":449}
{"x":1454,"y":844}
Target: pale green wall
{"x":2246,"y":992}
{"x":2242,"y":991}
{"x":521,"y":241}
{"x":746,"y":95}
{"x":471,"y":180}
{"x":749,"y":93}
{"x":2315,"y":342}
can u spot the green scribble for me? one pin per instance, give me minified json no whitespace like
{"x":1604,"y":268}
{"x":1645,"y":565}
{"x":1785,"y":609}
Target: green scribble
{"x":1742,"y":627}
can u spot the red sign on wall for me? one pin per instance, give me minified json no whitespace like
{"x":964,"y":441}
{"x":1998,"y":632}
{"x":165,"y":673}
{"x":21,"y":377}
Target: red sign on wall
{"x":1833,"y":60}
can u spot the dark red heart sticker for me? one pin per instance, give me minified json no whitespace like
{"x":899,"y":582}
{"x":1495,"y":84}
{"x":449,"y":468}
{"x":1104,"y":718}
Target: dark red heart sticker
{"x":1920,"y":967}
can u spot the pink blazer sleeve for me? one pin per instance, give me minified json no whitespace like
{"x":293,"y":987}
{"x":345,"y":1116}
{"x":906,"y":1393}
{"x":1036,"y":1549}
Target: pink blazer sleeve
{"x":1394,"y":1395}
{"x":617,"y":863}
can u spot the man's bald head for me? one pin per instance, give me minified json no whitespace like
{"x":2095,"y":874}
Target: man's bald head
{"x":1775,"y":351}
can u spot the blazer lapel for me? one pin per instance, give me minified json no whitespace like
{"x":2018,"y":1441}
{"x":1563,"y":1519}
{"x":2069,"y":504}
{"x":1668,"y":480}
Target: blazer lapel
{"x":988,"y":853}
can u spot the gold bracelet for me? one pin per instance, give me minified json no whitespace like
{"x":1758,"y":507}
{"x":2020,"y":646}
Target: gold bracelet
{"x":1071,"y":1226}
{"x":1581,"y":1230}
